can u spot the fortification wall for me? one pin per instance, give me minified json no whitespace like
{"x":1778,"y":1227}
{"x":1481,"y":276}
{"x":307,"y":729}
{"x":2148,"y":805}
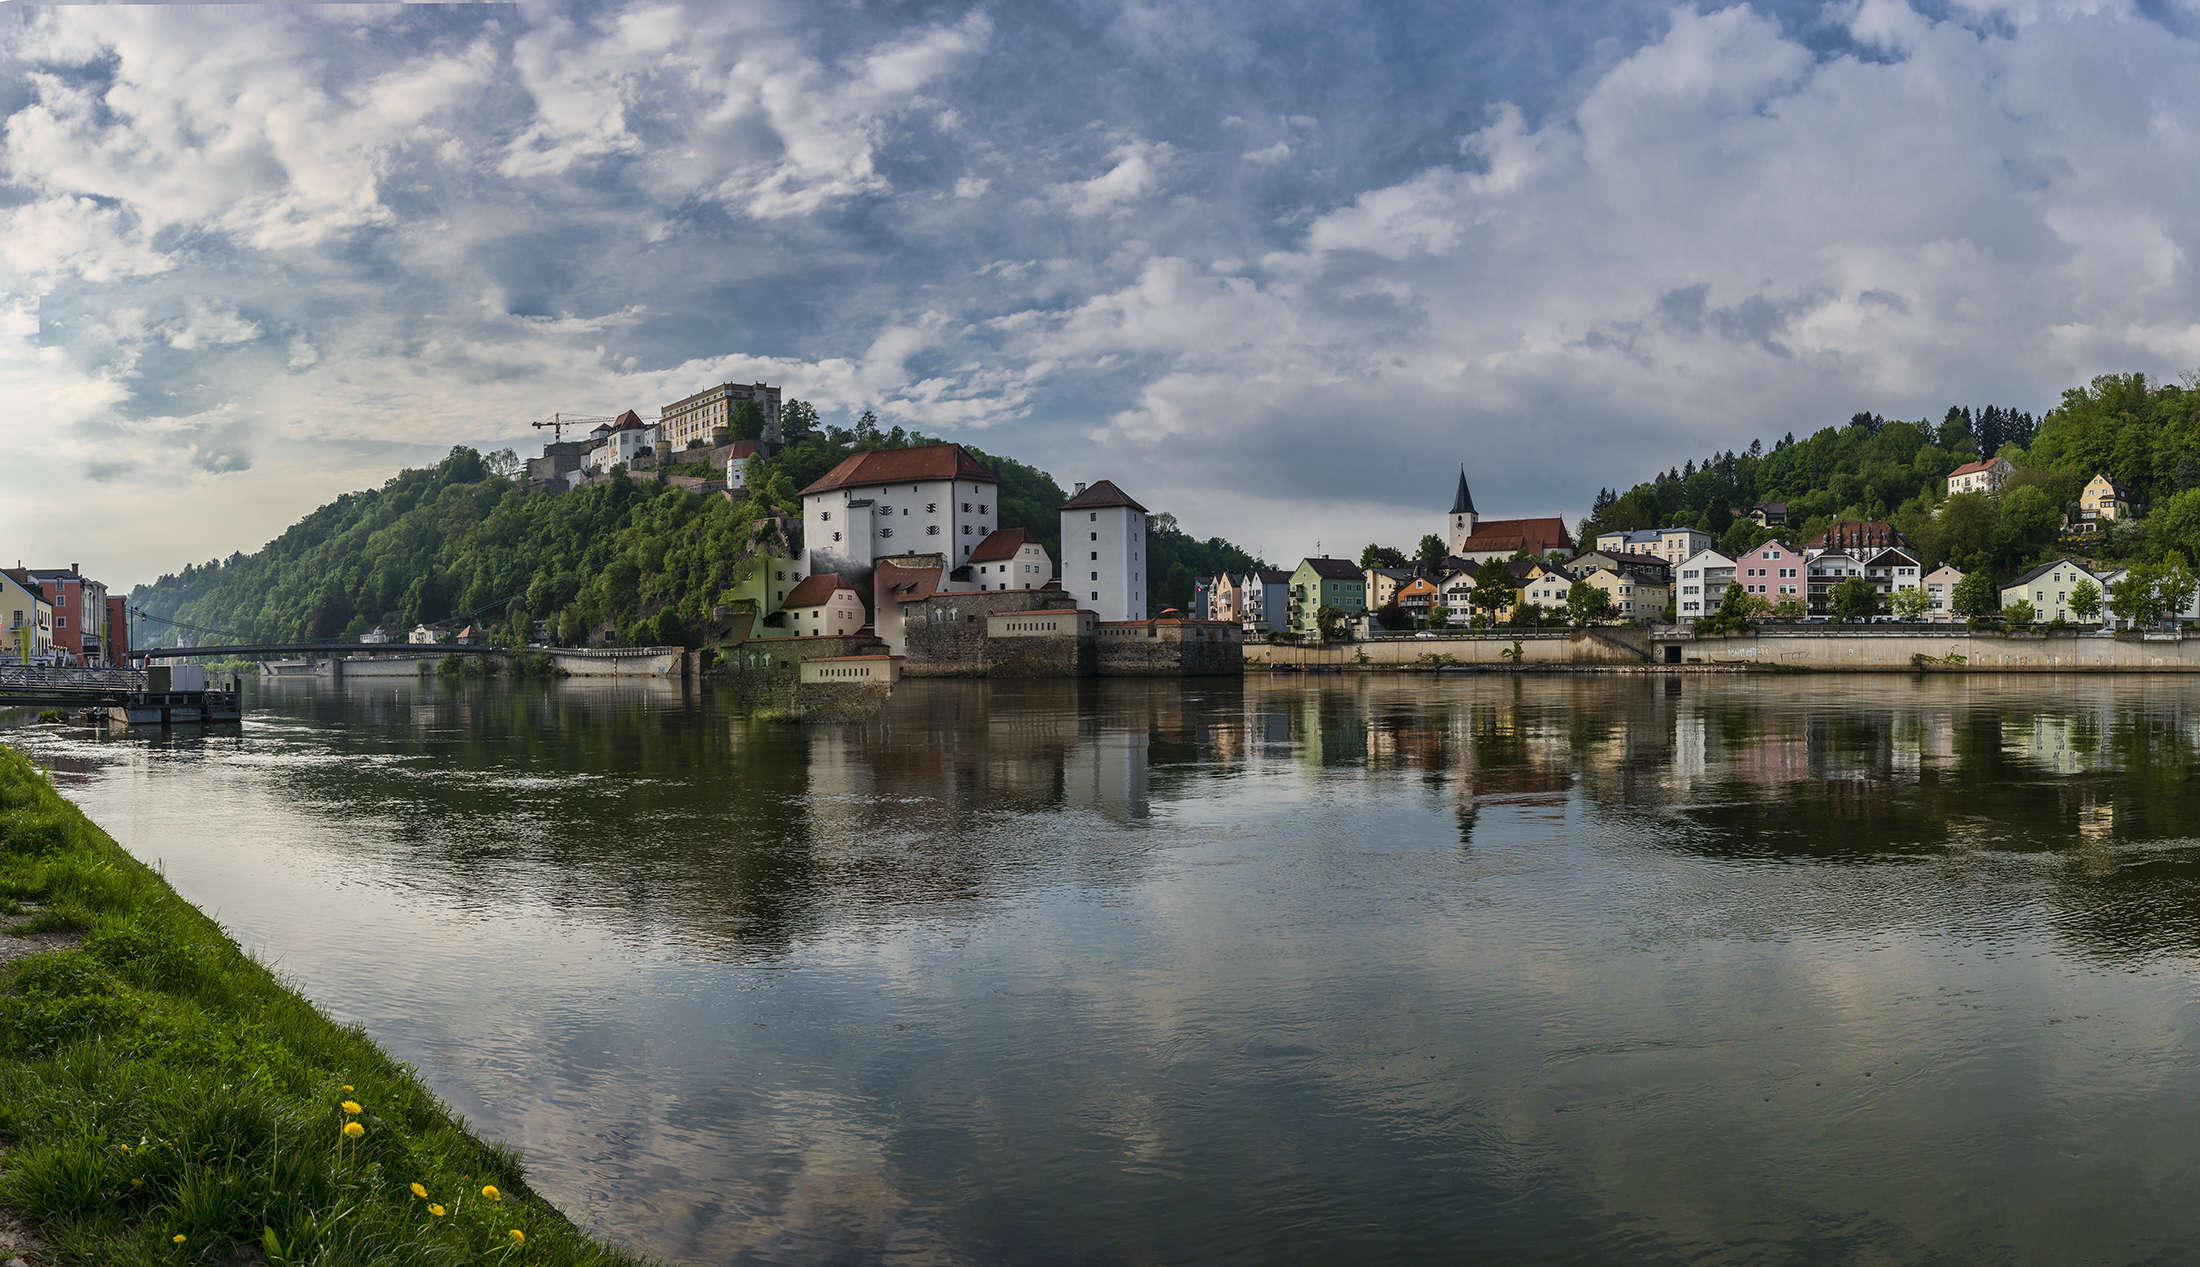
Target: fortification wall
{"x":945,"y":634}
{"x":1153,"y":648}
{"x":764,"y":659}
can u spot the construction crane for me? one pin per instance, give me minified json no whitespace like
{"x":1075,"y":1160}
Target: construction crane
{"x":559,"y":422}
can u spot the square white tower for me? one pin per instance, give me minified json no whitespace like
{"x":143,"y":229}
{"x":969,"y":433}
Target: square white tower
{"x":1104,"y":552}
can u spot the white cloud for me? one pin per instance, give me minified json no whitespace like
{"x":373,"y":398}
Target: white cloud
{"x":1135,"y":172}
{"x":209,"y":324}
{"x":1269,"y":154}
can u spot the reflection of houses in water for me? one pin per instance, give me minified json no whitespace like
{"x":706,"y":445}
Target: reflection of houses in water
{"x":2059,"y":743}
{"x":1107,"y":772}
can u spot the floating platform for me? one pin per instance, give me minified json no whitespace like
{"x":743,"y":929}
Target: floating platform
{"x":178,"y":708}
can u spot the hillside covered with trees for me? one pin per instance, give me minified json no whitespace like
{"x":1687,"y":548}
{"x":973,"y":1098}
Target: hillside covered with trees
{"x":2145,"y":435}
{"x":467,"y":539}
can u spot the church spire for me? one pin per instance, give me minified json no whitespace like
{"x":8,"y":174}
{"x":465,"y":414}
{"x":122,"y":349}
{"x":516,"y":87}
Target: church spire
{"x":1462,"y":503}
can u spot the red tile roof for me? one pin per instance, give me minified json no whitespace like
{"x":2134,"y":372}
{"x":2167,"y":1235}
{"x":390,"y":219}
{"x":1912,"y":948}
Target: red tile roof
{"x":903,"y":466}
{"x":903,"y":584}
{"x":1002,"y":543}
{"x":1536,"y":536}
{"x":814,"y":590}
{"x":1101,"y":496}
{"x":1973,"y":468}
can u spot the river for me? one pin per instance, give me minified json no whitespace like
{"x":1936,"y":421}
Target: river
{"x":1569,"y":969}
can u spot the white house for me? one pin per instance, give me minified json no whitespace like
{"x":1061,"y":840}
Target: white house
{"x":1010,"y":559}
{"x":624,"y":440}
{"x":1548,"y":589}
{"x":1980,"y":477}
{"x":1891,"y":570}
{"x":1699,"y":583}
{"x":422,"y":635}
{"x":933,"y":499}
{"x":1940,"y":587}
{"x":1104,"y":552}
{"x":824,"y":606}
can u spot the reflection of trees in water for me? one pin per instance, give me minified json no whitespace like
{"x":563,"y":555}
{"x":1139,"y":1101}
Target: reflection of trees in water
{"x":667,"y":806}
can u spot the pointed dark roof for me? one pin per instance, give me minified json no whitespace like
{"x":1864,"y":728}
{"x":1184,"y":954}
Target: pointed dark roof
{"x":1100,"y":496}
{"x":1001,"y":543}
{"x":1462,"y":502}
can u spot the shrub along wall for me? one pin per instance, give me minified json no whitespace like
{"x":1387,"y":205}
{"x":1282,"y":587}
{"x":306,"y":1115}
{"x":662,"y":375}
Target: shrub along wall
{"x":165,"y":1098}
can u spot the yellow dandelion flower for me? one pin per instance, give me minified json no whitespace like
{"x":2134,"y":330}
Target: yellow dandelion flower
{"x":492,"y":1193}
{"x":137,"y":1183}
{"x":436,"y":1210}
{"x":352,"y":1130}
{"x":125,"y":1148}
{"x":179,"y":1238}
{"x":518,"y":1237}
{"x":420,"y":1192}
{"x":348,"y":1088}
{"x":351,"y":1107}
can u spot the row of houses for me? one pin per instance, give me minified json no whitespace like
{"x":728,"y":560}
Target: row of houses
{"x":59,"y":616}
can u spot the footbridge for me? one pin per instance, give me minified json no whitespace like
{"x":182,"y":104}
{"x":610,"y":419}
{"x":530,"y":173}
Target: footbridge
{"x":308,"y":650}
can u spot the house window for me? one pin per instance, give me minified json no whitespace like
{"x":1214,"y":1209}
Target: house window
{"x":982,"y":509}
{"x":1093,"y":517}
{"x":1096,"y":556}
{"x":966,"y":532}
{"x":932,"y":530}
{"x":836,"y":536}
{"x":931,"y":508}
{"x":824,"y":516}
{"x":886,"y":532}
{"x":1096,"y":576}
{"x":1096,"y":595}
{"x":966,"y":508}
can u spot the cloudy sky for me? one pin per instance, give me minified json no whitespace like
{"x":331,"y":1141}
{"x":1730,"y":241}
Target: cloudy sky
{"x":1277,"y":266}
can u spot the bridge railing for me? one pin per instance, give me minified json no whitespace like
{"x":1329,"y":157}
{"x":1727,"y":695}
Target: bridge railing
{"x":42,"y":677}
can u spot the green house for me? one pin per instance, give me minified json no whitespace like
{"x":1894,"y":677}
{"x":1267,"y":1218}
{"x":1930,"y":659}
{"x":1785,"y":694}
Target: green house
{"x":1320,"y":583}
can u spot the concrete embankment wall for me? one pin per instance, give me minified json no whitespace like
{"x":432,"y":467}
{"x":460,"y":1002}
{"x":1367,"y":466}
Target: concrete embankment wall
{"x":620,"y":662}
{"x":409,"y":666}
{"x":1957,"y":649}
{"x":1537,"y":647}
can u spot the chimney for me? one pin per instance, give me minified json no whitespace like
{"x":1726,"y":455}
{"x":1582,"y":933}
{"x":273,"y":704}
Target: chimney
{"x":1080,"y":488}
{"x":74,"y":570}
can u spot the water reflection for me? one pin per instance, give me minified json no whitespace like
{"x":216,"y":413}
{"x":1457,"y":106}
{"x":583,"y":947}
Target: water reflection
{"x":1587,"y":968}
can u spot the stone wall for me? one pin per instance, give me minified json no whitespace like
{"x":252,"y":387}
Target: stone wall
{"x":945,"y":634}
{"x":1147,"y":648}
{"x":1029,"y":644}
{"x":1869,"y":649}
{"x":1615,"y":645}
{"x":619,"y":661}
{"x":770,"y":658}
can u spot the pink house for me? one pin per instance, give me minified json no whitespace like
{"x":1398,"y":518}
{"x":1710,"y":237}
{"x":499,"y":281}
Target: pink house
{"x":1773,"y":570}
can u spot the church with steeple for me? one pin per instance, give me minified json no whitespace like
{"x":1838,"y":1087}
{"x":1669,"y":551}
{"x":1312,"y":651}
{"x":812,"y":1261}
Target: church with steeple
{"x":1475,"y":539}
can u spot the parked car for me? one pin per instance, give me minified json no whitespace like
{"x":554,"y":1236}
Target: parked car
{"x":1426,"y":633}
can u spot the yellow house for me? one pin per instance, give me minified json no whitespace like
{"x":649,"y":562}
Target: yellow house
{"x":26,"y":620}
{"x":1635,"y":595}
{"x":2104,"y":498}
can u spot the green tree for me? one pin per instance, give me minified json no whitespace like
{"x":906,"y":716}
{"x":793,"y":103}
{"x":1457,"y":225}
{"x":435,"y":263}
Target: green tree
{"x":2020,"y":612}
{"x":1975,"y":597}
{"x":2131,"y":598}
{"x":1853,"y":599}
{"x":1332,"y":622}
{"x":1912,"y":603}
{"x":797,"y":421}
{"x":1586,"y":604}
{"x":1432,"y":553}
{"x":1439,"y":616}
{"x":2085,"y":601}
{"x":1733,"y":613}
{"x":1380,"y":556}
{"x":2173,"y":587}
{"x":1493,"y":588}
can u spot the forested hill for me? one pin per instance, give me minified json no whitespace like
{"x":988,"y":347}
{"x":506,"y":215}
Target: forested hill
{"x":2145,"y":435}
{"x":466,"y":538}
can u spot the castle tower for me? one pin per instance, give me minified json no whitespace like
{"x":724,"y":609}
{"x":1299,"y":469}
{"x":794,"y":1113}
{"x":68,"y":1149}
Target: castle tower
{"x":1462,"y":514}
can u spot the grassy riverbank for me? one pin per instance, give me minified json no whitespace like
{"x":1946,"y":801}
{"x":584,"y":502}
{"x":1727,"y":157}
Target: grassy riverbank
{"x":164,"y":1099}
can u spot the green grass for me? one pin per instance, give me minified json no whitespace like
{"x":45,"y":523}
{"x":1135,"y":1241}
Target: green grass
{"x":156,"y":1083}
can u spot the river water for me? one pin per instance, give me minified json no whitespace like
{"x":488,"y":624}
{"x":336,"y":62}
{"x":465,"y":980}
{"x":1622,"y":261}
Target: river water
{"x":1320,"y":969}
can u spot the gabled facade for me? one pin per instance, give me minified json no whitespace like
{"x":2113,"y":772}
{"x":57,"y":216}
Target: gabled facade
{"x":1547,"y":589}
{"x":2048,"y":587}
{"x":1415,"y":597}
{"x":1824,"y":571}
{"x":1010,"y":559}
{"x":1940,"y":592}
{"x":935,"y":498}
{"x":1319,"y":583}
{"x":897,"y":582}
{"x":1636,"y":593}
{"x":2104,"y":498}
{"x":1104,"y":552}
{"x":1981,"y":477}
{"x":1769,"y":514}
{"x":1856,"y":536}
{"x":1267,"y":601}
{"x":1891,"y":570}
{"x":1773,"y":571}
{"x":1700,"y":583}
{"x":627,"y":438}
{"x":824,"y":606}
